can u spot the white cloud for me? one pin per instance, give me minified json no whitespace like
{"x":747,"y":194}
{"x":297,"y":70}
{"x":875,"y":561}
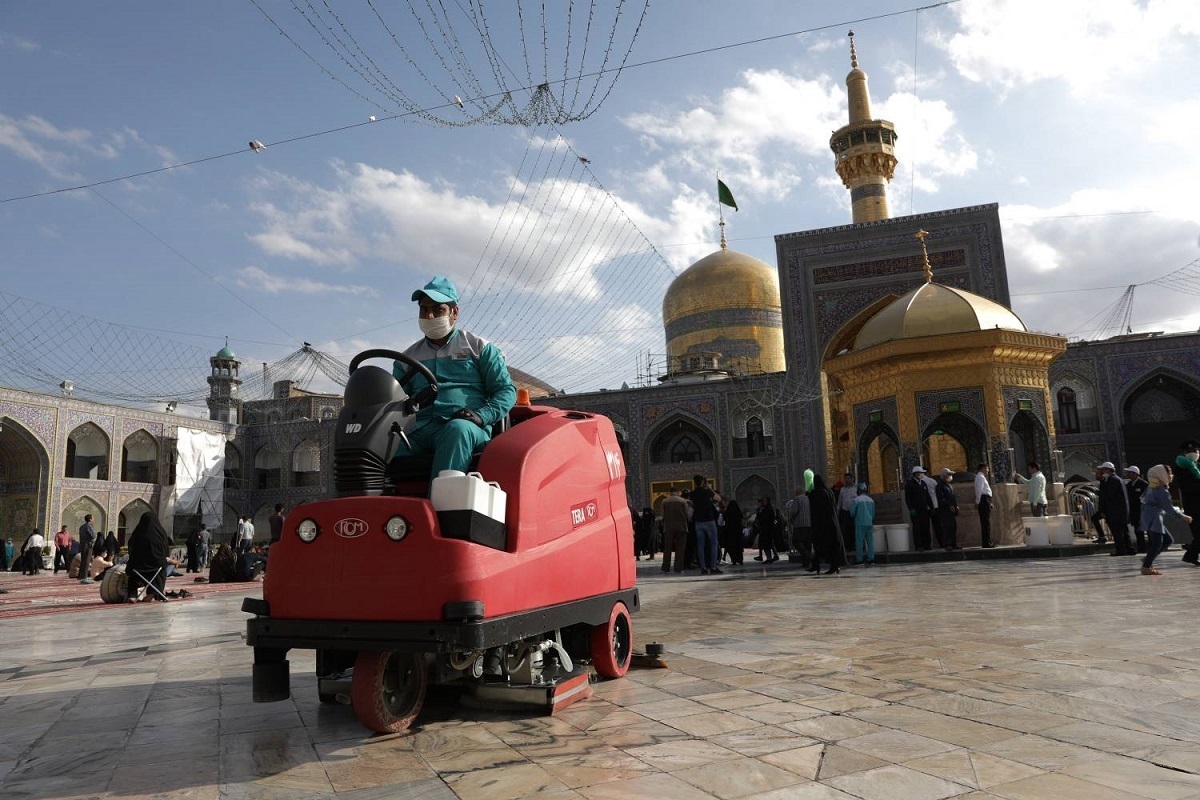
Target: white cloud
{"x":10,"y":41}
{"x":751,"y":132}
{"x":550,"y":241}
{"x":1087,"y":44}
{"x":59,"y":151}
{"x":261,"y":280}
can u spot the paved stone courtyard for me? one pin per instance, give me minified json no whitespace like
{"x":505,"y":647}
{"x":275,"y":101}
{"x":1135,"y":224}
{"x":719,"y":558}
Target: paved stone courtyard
{"x":1065,"y":678}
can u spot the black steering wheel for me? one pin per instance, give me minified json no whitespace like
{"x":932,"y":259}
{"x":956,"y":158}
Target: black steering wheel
{"x":421,"y":398}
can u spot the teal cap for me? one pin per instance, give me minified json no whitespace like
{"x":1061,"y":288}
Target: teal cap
{"x":439,"y":290}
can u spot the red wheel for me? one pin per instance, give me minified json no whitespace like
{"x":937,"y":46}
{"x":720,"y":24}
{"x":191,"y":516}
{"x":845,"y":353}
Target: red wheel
{"x":612,"y":643}
{"x":388,"y":689}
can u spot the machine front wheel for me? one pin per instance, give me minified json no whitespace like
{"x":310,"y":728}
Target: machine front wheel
{"x":388,"y":689}
{"x":612,"y":643}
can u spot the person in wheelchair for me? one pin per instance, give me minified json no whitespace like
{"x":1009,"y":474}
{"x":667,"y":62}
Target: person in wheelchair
{"x":474,"y":388}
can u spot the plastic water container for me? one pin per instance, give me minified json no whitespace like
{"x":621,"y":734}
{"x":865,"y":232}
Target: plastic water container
{"x":1060,"y":532}
{"x":1037,"y":533}
{"x":899,"y":538}
{"x":452,"y":490}
{"x":880,"y":534}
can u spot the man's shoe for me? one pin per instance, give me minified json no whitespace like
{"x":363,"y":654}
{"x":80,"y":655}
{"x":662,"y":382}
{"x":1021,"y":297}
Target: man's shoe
{"x":703,"y":572}
{"x":715,"y":572}
{"x":1194,"y":561}
{"x":758,"y":558}
{"x":87,"y":580}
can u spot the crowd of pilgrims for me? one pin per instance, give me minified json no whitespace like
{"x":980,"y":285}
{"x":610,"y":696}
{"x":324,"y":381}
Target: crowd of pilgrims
{"x":148,"y":552}
{"x":808,"y":526}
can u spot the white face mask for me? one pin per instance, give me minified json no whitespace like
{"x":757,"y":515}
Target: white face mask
{"x":1193,"y":456}
{"x":436,"y":328}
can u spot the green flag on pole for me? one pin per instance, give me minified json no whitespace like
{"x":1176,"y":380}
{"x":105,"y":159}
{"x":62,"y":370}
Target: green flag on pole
{"x":725,"y":196}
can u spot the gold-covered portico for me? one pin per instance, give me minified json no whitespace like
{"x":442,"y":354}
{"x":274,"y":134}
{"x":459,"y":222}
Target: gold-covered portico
{"x":942,"y":377}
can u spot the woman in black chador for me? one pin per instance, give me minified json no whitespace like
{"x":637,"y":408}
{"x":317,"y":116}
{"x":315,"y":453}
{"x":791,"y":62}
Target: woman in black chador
{"x":149,"y":548}
{"x":827,"y":540}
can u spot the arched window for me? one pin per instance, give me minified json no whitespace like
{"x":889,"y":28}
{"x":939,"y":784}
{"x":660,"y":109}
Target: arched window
{"x":756,"y":443}
{"x":1068,"y":412}
{"x":686,"y":449}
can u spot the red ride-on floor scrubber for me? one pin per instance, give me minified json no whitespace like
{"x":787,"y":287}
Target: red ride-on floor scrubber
{"x":523,"y":576}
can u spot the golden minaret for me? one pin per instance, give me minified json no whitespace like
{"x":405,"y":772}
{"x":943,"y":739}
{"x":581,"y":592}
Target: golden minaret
{"x":864,"y":149}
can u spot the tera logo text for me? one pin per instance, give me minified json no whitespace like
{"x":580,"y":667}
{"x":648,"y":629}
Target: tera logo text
{"x":583,"y":513}
{"x":350,"y":528}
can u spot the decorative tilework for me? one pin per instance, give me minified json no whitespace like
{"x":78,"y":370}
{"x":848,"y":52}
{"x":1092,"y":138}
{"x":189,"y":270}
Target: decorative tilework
{"x":888,"y":415}
{"x":129,"y":425}
{"x":1012,"y":394}
{"x":1001,"y":461}
{"x":911,"y":265}
{"x":970,"y":400}
{"x":76,"y":417}
{"x":701,"y":408}
{"x":39,"y":420}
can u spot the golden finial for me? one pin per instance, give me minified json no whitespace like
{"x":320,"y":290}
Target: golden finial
{"x":921,"y":234}
{"x":723,"y":245}
{"x":853,"y":55}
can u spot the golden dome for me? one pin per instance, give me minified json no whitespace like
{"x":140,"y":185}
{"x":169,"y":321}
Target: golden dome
{"x":727,"y":303}
{"x":934,"y":309}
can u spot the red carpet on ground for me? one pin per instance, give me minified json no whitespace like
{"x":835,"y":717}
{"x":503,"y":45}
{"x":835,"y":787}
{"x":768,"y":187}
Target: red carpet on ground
{"x":47,"y":593}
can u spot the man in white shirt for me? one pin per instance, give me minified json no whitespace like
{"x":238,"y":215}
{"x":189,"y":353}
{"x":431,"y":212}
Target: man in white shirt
{"x":983,"y":502}
{"x":1035,"y":486}
{"x":246,"y":533}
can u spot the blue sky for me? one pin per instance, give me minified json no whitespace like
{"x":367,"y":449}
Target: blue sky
{"x":1077,"y":117}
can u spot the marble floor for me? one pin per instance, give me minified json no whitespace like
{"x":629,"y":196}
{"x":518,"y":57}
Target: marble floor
{"x":1065,"y":678}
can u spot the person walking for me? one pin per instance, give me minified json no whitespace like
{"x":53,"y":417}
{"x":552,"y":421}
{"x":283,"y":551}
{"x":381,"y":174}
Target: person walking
{"x":1114,"y":508}
{"x":32,"y":553}
{"x":675,"y":529}
{"x":62,"y":550}
{"x":246,"y":531}
{"x":920,"y":506}
{"x":733,"y":526}
{"x":827,"y":539}
{"x":276,"y":523}
{"x":193,"y":549}
{"x":862,"y":511}
{"x":704,"y":516}
{"x":947,"y":510}
{"x":87,"y":539}
{"x":1187,"y":481}
{"x":1135,"y":487}
{"x":798,"y":512}
{"x":204,"y":546}
{"x":983,"y":502}
{"x":845,"y":499}
{"x":1156,"y":506}
{"x":1035,"y":489}
{"x":766,"y":523}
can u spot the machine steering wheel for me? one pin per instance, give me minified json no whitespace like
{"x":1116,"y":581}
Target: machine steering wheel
{"x":421,"y":398}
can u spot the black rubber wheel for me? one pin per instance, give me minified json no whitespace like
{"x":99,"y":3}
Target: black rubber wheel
{"x":388,"y":689}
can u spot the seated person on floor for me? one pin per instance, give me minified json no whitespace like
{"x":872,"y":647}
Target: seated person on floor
{"x":149,"y":553}
{"x":250,"y":564}
{"x":222,"y":568}
{"x":474,"y":387}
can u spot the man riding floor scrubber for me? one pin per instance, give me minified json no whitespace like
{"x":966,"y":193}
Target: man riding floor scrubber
{"x":506,"y":581}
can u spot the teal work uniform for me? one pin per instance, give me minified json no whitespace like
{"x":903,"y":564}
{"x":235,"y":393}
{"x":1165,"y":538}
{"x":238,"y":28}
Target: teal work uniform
{"x":470,"y":373}
{"x":863,"y":512}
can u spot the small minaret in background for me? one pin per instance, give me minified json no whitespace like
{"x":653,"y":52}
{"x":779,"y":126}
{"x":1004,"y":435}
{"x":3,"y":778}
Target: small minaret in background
{"x":864,"y":150}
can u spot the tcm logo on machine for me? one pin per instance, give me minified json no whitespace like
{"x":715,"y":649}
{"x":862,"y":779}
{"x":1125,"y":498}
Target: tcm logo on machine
{"x":583,"y":513}
{"x":350,"y":528}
